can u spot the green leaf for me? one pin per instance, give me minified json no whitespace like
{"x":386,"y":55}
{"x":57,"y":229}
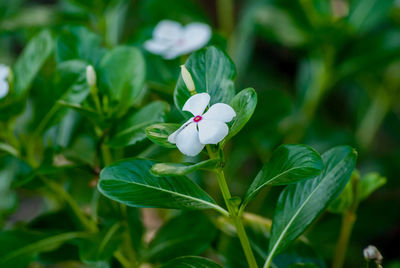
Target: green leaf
{"x":365,"y":15}
{"x":122,"y":76}
{"x":344,"y":200}
{"x":191,"y":262}
{"x":288,"y":164}
{"x":77,"y":42}
{"x":131,"y":183}
{"x":158,"y":133}
{"x":299,"y":204}
{"x":17,"y":248}
{"x":368,"y":184}
{"x":212,"y":72}
{"x":100,"y":246}
{"x":190,"y":233}
{"x":132,"y":128}
{"x":31,"y":60}
{"x":244,"y":104}
{"x":178,"y":169}
{"x":278,"y":26}
{"x":70,"y":82}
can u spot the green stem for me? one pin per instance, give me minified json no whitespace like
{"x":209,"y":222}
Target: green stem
{"x":236,"y":219}
{"x":349,"y":217}
{"x":96,"y":99}
{"x":341,"y":248}
{"x":233,"y":211}
{"x":225,"y":10}
{"x":60,"y":192}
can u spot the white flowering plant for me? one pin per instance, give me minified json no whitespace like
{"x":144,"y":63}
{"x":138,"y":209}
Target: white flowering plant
{"x":129,"y":136}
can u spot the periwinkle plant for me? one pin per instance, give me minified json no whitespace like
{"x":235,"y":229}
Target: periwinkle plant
{"x":206,"y":90}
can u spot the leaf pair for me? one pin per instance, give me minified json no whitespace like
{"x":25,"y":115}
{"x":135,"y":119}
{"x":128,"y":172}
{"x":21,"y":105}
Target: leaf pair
{"x":299,"y":204}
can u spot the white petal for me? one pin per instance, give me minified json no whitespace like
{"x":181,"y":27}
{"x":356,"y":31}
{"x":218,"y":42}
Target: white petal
{"x":172,"y":52}
{"x":188,"y":141}
{"x":3,"y":88}
{"x":220,"y":112}
{"x":172,"y":137}
{"x":196,"y":35}
{"x":156,"y":47}
{"x":212,"y":132}
{"x":4,"y":70}
{"x":196,"y":104}
{"x":168,"y":30}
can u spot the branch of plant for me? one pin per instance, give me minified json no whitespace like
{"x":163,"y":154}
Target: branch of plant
{"x":348,"y":220}
{"x":233,"y":212}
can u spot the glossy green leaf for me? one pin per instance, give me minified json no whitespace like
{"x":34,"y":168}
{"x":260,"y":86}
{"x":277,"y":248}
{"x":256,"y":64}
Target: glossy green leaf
{"x":299,"y":204}
{"x":77,"y":42}
{"x":18,"y":248}
{"x":212,"y":72}
{"x":70,"y":82}
{"x":131,"y":183}
{"x":191,"y":262}
{"x":190,"y":233}
{"x":31,"y":60}
{"x":176,"y":169}
{"x":368,"y":184}
{"x":121,"y":76}
{"x":288,"y":164}
{"x":132,"y":128}
{"x":158,"y":133}
{"x":244,"y":104}
{"x":100,"y":246}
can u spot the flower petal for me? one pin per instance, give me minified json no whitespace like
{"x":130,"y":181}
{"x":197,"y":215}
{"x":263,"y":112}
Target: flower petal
{"x":196,"y":104}
{"x":168,"y":30}
{"x":4,"y":70}
{"x":211,"y":131}
{"x":188,"y":141}
{"x":172,"y":137}
{"x":3,"y":88}
{"x":156,"y":47}
{"x":195,"y":36}
{"x":220,"y":112}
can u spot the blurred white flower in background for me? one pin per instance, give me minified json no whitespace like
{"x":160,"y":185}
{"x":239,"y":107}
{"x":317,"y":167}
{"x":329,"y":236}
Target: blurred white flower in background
{"x":171,"y":39}
{"x":203,"y":128}
{"x":4,"y":87}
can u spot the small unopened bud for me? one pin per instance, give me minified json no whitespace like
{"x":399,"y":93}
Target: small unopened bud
{"x":187,"y":78}
{"x":371,"y":253}
{"x":90,"y":76}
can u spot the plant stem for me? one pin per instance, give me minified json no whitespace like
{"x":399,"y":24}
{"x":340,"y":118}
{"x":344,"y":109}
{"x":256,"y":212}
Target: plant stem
{"x":349,"y":217}
{"x":236,"y":219}
{"x":341,"y":248}
{"x":225,"y":11}
{"x":60,"y":191}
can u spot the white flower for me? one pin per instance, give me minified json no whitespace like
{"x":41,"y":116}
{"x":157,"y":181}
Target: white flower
{"x":203,"y":128}
{"x":4,"y":87}
{"x":171,"y":39}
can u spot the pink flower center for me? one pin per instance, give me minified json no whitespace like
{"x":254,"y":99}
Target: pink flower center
{"x":197,"y":118}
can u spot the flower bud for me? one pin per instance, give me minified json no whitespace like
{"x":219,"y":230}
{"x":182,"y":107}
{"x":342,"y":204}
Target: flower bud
{"x":90,"y":76}
{"x":372,"y":253}
{"x":187,"y":78}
